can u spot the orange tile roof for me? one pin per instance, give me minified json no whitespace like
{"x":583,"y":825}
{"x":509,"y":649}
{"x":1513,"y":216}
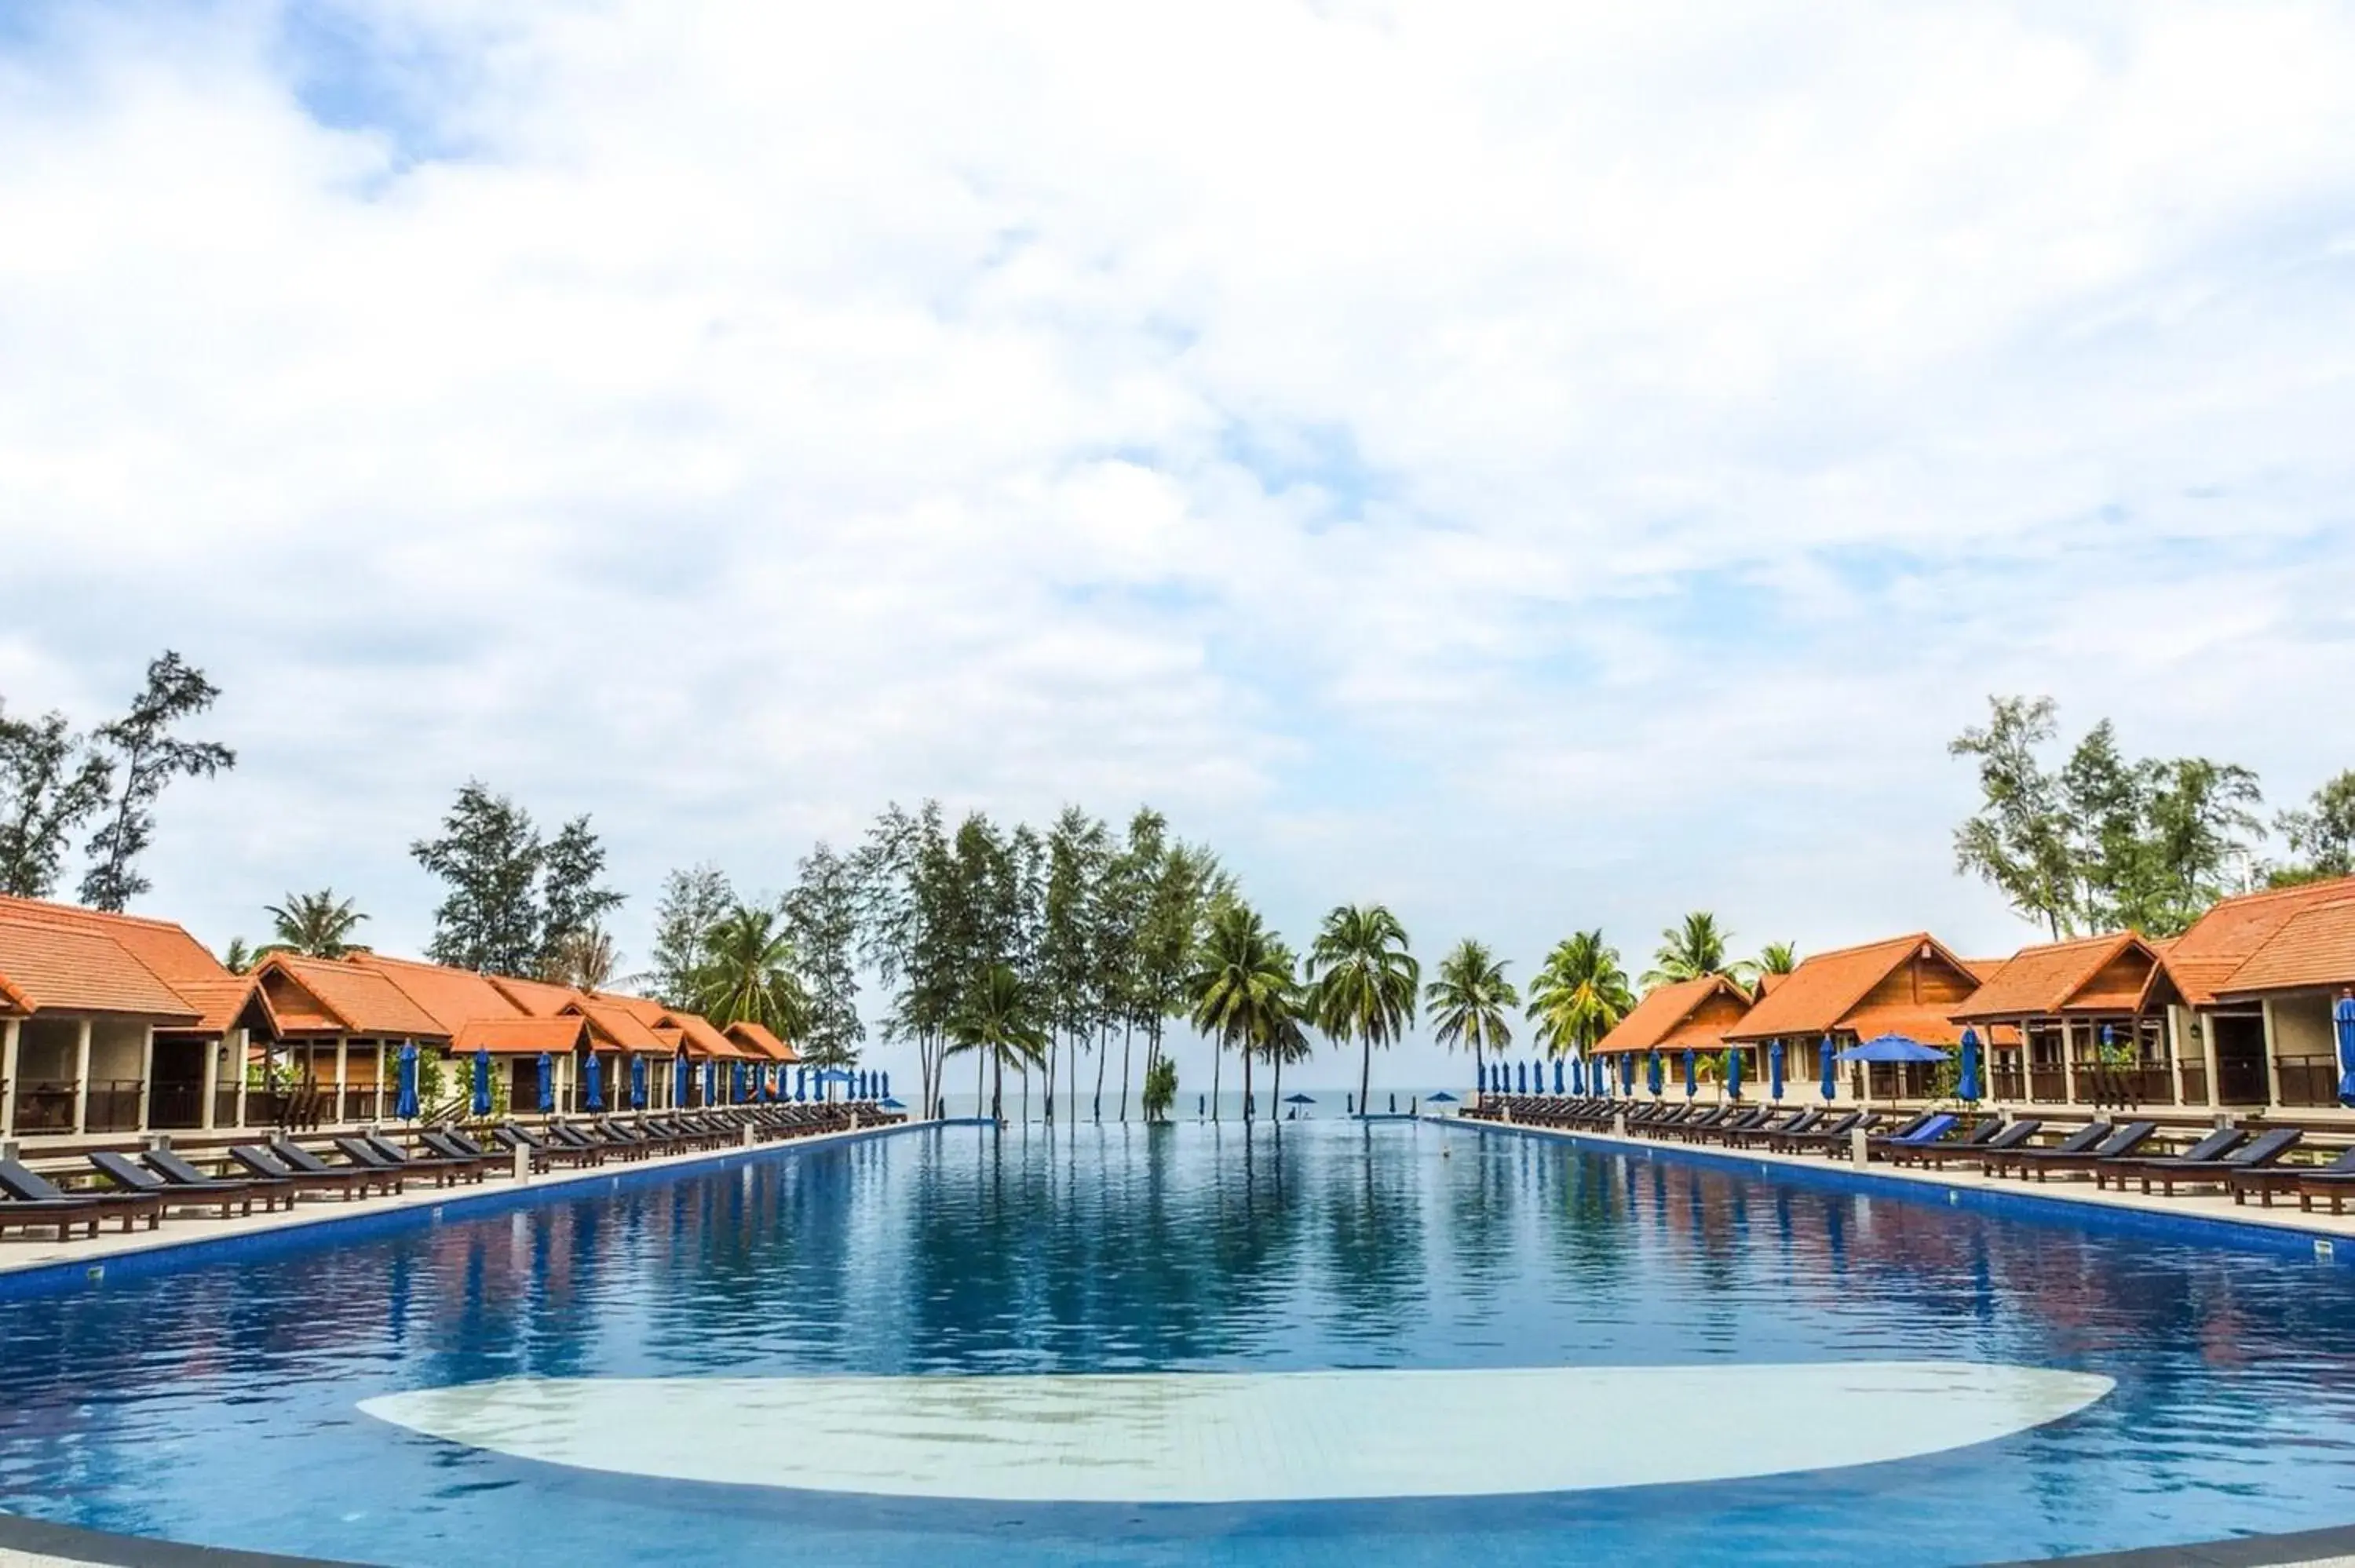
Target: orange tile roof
{"x":218,"y":996}
{"x":703,"y":1039}
{"x":513,"y":1036}
{"x":449,"y":996}
{"x":619,"y":1026}
{"x":2041,"y":980}
{"x":756,"y":1038}
{"x":1664,"y":1011}
{"x":2314,"y":948}
{"x":2220,"y":941}
{"x":345,"y":999}
{"x":538,"y":999}
{"x":1814,"y":996}
{"x":54,"y":968}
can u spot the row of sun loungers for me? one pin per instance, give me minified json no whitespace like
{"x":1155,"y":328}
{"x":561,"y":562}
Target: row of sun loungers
{"x":2246,"y":1162}
{"x":161,"y":1181}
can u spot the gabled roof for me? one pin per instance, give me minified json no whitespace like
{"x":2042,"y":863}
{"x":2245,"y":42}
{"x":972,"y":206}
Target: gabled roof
{"x":217,"y":997}
{"x":51,"y":968}
{"x":538,"y":999}
{"x":451,"y":997}
{"x":2052,"y":977}
{"x":2313,"y":949}
{"x":513,"y":1035}
{"x":1817,"y":997}
{"x":702,"y":1039}
{"x":757,"y":1039}
{"x":618,"y":1026}
{"x":2207,"y":956}
{"x":331,"y":996}
{"x":1666,"y":1016}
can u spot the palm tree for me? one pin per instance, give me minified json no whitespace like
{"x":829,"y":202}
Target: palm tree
{"x":1775,"y":958}
{"x":748,"y":975}
{"x":1579,"y":995}
{"x":238,"y":958}
{"x":316,"y":924}
{"x":1241,"y":985}
{"x":1366,"y":980}
{"x":1469,"y":1000}
{"x":586,"y":960}
{"x":997,"y":1019}
{"x":1692,"y":951}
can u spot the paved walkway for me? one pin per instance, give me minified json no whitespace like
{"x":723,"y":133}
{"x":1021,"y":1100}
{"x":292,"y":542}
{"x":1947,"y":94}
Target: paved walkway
{"x":19,"y":1253}
{"x":2070,"y":1191}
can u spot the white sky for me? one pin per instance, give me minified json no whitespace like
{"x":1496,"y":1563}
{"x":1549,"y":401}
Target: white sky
{"x":1538,"y":464}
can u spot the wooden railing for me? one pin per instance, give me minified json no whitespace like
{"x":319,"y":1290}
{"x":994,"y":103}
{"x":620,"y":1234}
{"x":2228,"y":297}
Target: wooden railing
{"x":2308,"y":1080}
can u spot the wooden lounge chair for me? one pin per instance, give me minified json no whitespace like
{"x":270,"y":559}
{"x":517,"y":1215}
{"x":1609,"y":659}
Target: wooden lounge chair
{"x":478,"y":1162}
{"x":2001,"y":1139}
{"x":1921,"y":1132}
{"x":2265,"y":1180}
{"x":232,"y":1198}
{"x":1967,"y":1146}
{"x":1772,"y":1128}
{"x":2085,"y":1140}
{"x":267,"y":1167}
{"x":2124,"y":1167}
{"x":383,"y":1157}
{"x":545,"y":1154}
{"x":164,"y":1162}
{"x":1818,"y":1136}
{"x":2333,"y":1181}
{"x":297,"y":1158}
{"x":34,"y":1201}
{"x":2218,"y":1171}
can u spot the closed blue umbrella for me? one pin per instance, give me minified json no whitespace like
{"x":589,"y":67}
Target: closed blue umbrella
{"x":1831,"y":1079}
{"x":1968,"y":1089}
{"x":546,"y":1084}
{"x":736,"y":1085}
{"x":1692,"y":1085}
{"x":596,"y":1084}
{"x":682,"y":1078}
{"x":1557,"y":1075}
{"x":711,"y":1081}
{"x":405,"y":1107}
{"x":1733,"y":1074}
{"x":1627,"y":1072}
{"x":887,"y":1083}
{"x":1774,"y":1072}
{"x":1578,"y":1075}
{"x":638,"y":1083}
{"x":1652,"y":1078}
{"x":2343,"y":1015}
{"x":481,"y":1081}
{"x":1521,"y":1078}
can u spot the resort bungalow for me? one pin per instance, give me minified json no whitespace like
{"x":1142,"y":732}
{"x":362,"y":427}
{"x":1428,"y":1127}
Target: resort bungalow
{"x":1905,"y":985}
{"x":112,"y":1024}
{"x":343,"y":1026}
{"x":2080,"y":1023}
{"x":1693,"y":1014}
{"x":2266,"y":1024}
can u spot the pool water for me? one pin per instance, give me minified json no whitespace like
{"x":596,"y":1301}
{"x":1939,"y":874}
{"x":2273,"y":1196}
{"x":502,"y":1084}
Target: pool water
{"x":1424,"y":1345}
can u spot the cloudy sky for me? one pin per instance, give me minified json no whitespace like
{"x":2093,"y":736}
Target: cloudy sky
{"x":1539,"y":464}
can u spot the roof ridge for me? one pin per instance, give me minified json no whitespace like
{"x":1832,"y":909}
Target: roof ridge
{"x":84,"y":911}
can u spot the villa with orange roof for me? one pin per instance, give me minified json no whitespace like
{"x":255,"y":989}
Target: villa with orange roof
{"x":1684,"y":1015}
{"x":2074,"y":1023}
{"x":2250,"y":988}
{"x":1902,"y":985}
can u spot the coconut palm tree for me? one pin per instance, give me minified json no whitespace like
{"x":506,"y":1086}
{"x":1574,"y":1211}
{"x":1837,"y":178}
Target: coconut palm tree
{"x":1366,"y":980}
{"x":1775,"y":958}
{"x":999,"y":1020}
{"x":748,"y":974}
{"x":1242,"y":984}
{"x":1469,"y":1000}
{"x":316,"y":924}
{"x":237,"y":958}
{"x":1689,"y":951}
{"x":1579,"y":995}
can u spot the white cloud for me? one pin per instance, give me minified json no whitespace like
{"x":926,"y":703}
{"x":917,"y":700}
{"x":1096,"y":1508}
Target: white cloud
{"x":1544,"y":464}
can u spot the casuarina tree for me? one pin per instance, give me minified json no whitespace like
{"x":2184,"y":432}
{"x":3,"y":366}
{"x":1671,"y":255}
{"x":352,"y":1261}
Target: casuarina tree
{"x":147,"y":753}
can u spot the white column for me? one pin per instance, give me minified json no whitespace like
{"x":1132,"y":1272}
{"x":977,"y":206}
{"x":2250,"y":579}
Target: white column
{"x":240,"y":1047}
{"x":2174,"y":1037}
{"x":2273,"y":1066}
{"x":9,"y":1029}
{"x":211,"y":1086}
{"x":81,"y":1076}
{"x":2208,"y":1052}
{"x":381,"y":1060}
{"x":343,"y":1062}
{"x":2068,"y":1063}
{"x":146,"y":1076}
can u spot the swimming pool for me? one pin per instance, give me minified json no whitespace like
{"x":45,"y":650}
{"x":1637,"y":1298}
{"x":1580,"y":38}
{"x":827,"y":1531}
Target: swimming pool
{"x":1400,"y":1344}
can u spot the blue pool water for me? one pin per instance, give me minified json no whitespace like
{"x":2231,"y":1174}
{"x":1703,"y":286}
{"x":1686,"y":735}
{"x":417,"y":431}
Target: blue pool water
{"x":219,"y":1401}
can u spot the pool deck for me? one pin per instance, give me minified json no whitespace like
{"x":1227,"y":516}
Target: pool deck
{"x":19,"y":1255}
{"x":2214,"y":1207}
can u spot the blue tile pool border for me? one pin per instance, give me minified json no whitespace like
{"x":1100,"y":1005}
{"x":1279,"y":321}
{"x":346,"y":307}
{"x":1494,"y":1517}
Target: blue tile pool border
{"x":472,"y":1204}
{"x":2028,"y":1204}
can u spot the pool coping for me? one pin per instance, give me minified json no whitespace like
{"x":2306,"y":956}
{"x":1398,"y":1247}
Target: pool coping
{"x":2271,"y":1230}
{"x":145,"y":1253}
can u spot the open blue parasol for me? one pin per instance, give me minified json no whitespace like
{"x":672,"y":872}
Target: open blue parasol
{"x":1892,"y":1048}
{"x":1443,"y":1098}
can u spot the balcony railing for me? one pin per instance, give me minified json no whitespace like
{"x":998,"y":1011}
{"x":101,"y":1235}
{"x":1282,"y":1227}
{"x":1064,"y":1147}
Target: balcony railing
{"x":2046,"y":1086}
{"x":225,"y":1105}
{"x":2308,"y":1080}
{"x":176,"y":1106}
{"x":2195,"y":1083}
{"x":2008,"y":1084}
{"x":113,"y":1105}
{"x":2142,"y":1084}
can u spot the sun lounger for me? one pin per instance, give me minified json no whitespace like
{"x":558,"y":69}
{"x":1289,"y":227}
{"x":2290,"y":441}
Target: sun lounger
{"x":545,"y":1154}
{"x":267,"y":1167}
{"x":1822,"y":1134}
{"x":2000,"y":1138}
{"x":373,"y":1153}
{"x":301,"y":1160}
{"x":1737,"y":1124}
{"x":226,"y":1196}
{"x":34,"y":1201}
{"x":2124,"y":1167}
{"x":1773,"y":1126}
{"x":2218,"y":1169}
{"x":1921,"y":1132}
{"x":2265,"y":1180}
{"x":164,"y":1162}
{"x":478,"y":1164}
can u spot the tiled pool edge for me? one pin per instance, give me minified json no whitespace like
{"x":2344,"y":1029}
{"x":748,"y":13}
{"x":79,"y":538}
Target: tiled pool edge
{"x":2282,"y":1234}
{"x":19,"y":1280}
{"x":37,"y":1541}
